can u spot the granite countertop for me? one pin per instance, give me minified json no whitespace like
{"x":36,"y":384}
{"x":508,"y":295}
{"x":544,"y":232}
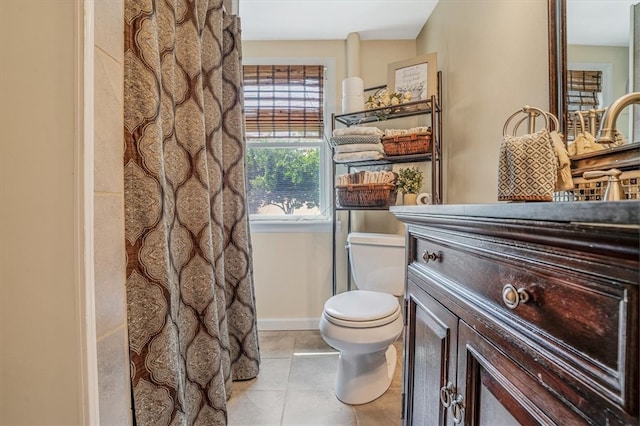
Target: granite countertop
{"x":596,"y":212}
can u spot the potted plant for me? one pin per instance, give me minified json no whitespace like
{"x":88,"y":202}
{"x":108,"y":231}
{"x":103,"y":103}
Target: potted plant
{"x":409,"y":183}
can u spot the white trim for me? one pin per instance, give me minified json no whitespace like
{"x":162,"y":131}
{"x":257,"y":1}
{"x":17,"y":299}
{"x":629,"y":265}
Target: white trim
{"x":279,"y":324}
{"x":84,"y":256}
{"x":292,"y":226}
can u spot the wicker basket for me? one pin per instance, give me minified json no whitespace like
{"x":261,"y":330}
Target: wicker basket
{"x":414,"y":143}
{"x":366,"y":195}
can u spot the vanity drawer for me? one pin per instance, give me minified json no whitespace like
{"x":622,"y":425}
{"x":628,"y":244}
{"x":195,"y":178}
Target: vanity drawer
{"x":563,"y":316}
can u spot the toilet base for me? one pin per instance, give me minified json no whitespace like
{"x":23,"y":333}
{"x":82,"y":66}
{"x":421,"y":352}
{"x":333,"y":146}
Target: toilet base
{"x":365,"y":377}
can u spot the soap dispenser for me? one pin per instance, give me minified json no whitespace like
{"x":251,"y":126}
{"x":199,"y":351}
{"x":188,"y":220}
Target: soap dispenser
{"x":614,"y":191}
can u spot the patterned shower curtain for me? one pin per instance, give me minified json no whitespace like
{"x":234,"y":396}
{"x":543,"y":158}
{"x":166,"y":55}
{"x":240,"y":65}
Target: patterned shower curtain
{"x":190,"y":298}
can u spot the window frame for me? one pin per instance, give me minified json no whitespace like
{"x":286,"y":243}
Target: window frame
{"x":302,"y":223}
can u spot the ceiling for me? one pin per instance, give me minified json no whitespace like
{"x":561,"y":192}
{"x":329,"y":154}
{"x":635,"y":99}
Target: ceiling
{"x":333,"y":19}
{"x":599,"y":23}
{"x":594,"y":22}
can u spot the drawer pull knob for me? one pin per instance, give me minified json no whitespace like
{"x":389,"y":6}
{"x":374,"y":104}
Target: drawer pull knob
{"x":446,"y":394}
{"x":513,"y":297}
{"x":426,"y":256}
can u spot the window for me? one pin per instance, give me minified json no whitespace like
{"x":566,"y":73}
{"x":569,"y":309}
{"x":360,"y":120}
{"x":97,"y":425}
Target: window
{"x":584,"y":93}
{"x":284,"y":118}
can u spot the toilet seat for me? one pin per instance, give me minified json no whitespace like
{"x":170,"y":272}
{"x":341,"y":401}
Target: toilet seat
{"x":362,"y":309}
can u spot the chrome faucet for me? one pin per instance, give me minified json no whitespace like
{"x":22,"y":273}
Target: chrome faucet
{"x":608,"y":125}
{"x":614,"y":190}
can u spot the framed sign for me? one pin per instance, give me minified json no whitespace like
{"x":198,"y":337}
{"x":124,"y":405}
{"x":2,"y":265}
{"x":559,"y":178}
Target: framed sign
{"x":417,"y":75}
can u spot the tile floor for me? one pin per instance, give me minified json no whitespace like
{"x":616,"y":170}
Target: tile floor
{"x":295,"y":387}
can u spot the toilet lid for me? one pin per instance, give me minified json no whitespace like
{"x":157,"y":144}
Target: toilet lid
{"x":362,"y":308}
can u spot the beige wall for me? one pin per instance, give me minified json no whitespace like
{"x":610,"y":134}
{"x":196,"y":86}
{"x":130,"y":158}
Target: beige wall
{"x":110,"y":304}
{"x":503,"y":69}
{"x":494,"y":60}
{"x":41,"y":349}
{"x":40,"y":344}
{"x":618,"y":59}
{"x":484,"y":82}
{"x":293,"y":271}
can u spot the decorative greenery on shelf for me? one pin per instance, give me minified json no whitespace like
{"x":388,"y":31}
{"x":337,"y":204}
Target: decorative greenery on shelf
{"x":409,"y":180}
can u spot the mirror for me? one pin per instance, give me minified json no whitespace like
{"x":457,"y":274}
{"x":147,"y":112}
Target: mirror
{"x":568,"y":49}
{"x":580,"y":38}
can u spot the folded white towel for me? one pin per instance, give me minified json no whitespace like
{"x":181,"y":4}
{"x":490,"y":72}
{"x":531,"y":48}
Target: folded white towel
{"x":401,"y":132}
{"x":347,"y":157}
{"x":358,"y":131}
{"x":347,"y":139}
{"x":358,"y":147}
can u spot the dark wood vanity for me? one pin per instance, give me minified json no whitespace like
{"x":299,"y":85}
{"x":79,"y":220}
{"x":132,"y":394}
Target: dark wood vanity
{"x":523,"y":313}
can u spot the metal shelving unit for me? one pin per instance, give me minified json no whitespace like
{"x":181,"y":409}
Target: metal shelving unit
{"x":430,"y":107}
{"x":386,"y":113}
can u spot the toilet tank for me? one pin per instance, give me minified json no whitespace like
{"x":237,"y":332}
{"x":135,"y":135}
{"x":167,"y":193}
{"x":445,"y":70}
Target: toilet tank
{"x":377,"y":261}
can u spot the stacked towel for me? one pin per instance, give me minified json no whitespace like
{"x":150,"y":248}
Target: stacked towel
{"x":359,"y":147}
{"x":586,"y":142}
{"x":403,"y":132}
{"x":355,"y":139}
{"x":358,"y":131}
{"x":357,"y":144}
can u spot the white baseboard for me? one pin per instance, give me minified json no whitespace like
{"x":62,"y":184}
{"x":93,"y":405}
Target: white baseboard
{"x":288,"y":324}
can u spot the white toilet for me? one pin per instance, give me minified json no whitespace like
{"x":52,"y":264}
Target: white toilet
{"x":362,"y":324}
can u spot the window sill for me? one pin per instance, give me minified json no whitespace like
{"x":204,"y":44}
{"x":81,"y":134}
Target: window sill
{"x":292,"y":226}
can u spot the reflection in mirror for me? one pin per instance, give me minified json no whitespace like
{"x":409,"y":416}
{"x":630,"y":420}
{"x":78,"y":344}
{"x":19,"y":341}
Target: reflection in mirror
{"x":598,"y":35}
{"x":579,"y":41}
